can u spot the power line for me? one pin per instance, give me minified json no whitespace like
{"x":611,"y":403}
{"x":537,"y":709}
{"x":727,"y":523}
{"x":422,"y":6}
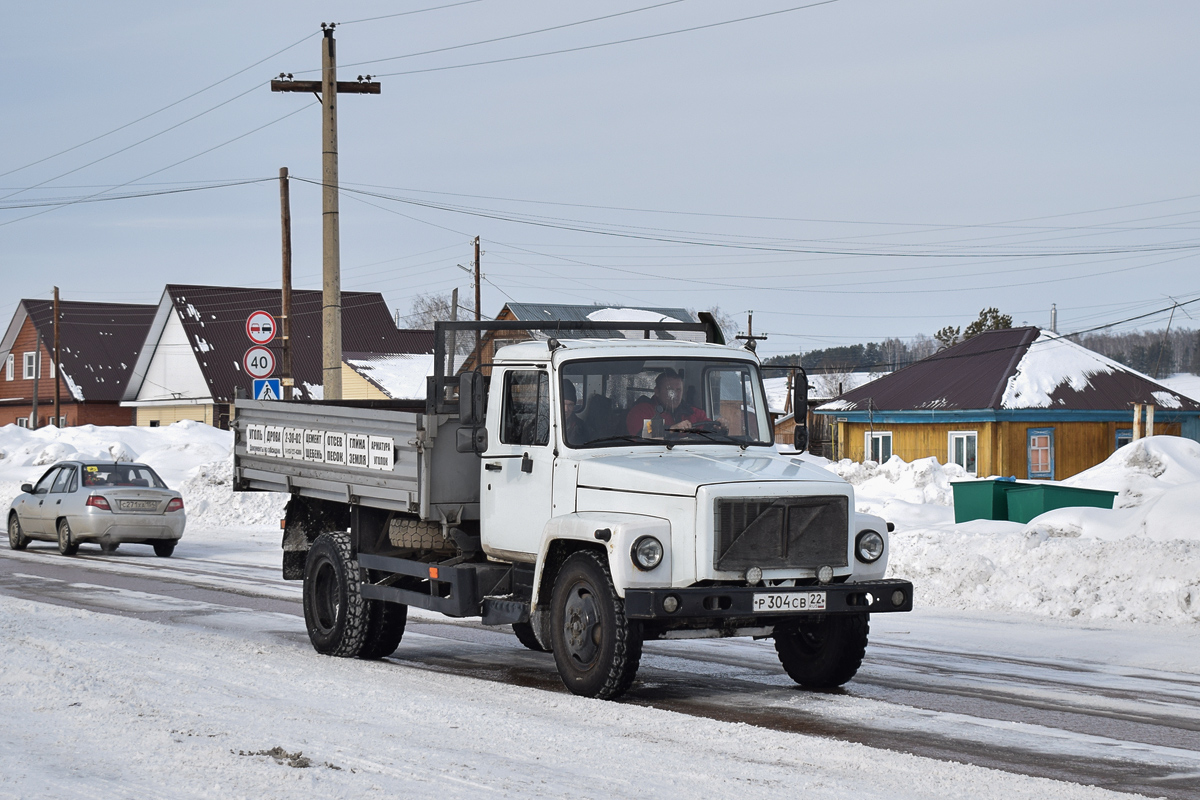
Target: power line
{"x":159,"y":111}
{"x":609,"y":44}
{"x":131,"y":195}
{"x":408,"y":14}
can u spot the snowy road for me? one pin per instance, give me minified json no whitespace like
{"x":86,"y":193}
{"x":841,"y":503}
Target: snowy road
{"x":1114,"y":708}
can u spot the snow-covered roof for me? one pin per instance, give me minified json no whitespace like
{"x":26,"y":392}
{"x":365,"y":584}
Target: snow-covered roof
{"x":1014,"y":369}
{"x":401,"y":376}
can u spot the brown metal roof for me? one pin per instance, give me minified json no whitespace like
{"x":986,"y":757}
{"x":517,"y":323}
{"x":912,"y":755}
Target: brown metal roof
{"x":214,"y":318}
{"x":98,"y":343}
{"x":975,"y":374}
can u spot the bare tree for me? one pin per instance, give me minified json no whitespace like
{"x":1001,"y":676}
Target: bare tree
{"x":427,"y":309}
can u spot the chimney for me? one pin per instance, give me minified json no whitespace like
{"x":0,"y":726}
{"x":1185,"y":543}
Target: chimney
{"x":1053,"y":318}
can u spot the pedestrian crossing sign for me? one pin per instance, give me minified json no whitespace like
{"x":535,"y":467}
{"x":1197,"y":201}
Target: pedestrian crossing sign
{"x":267,"y":389}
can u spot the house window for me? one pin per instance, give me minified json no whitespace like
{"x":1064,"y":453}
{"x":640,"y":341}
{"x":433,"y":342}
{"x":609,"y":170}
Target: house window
{"x":1124,"y":437}
{"x":878,"y":446}
{"x":1041,"y":452}
{"x":963,"y":447}
{"x":10,"y":366}
{"x":30,"y":360}
{"x":22,"y":422}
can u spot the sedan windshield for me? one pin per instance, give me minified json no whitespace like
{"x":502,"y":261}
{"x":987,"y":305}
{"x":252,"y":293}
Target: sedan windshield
{"x":655,"y":401}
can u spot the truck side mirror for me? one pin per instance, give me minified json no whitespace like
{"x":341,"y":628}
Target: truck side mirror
{"x":470,"y":399}
{"x":800,"y":411}
{"x":471,"y":440}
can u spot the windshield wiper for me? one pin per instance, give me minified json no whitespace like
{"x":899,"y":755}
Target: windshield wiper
{"x":621,"y":437}
{"x":713,"y":435}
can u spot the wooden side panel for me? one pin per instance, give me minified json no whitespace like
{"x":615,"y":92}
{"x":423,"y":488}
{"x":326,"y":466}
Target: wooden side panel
{"x":912,"y":442}
{"x":165,"y":415}
{"x":19,"y":387}
{"x":356,"y":387}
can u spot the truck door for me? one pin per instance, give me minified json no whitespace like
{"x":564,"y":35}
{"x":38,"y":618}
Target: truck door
{"x":518,"y":467}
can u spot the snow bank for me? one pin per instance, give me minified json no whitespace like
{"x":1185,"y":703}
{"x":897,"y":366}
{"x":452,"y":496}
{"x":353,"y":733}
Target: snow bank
{"x":194,"y":458}
{"x":1138,"y":562}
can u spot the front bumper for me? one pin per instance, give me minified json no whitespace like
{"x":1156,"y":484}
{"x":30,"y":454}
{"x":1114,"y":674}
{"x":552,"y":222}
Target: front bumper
{"x":721,"y":602}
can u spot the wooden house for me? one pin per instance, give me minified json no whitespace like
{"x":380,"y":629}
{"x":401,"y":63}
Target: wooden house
{"x":1019,"y":402}
{"x":99,"y":343}
{"x":192,"y":364}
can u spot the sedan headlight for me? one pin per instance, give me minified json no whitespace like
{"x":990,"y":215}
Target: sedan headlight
{"x":868,"y":547}
{"x":647,"y":553}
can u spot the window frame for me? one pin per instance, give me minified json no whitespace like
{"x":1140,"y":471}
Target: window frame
{"x":10,"y":367}
{"x":950,"y":437}
{"x":542,"y":378}
{"x":22,"y":422}
{"x":869,"y":438}
{"x":1122,"y":433}
{"x":1030,"y":433}
{"x":29,"y":365}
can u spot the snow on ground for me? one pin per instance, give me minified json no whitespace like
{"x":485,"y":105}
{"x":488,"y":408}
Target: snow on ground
{"x":1138,"y":562}
{"x":1185,"y":383}
{"x":194,"y":458}
{"x":212,"y":715}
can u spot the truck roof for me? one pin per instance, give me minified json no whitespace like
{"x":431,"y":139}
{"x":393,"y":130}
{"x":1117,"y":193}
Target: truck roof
{"x":538,"y":350}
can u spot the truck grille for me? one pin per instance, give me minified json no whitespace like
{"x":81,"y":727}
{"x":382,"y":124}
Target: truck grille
{"x":777,"y":532}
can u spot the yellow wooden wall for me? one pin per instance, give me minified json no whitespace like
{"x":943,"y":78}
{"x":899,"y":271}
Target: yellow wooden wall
{"x":168,"y":414}
{"x":1001,"y":445}
{"x":356,"y":387}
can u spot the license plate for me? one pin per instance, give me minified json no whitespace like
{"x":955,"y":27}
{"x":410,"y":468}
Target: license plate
{"x":139,"y":505}
{"x":789,"y":601}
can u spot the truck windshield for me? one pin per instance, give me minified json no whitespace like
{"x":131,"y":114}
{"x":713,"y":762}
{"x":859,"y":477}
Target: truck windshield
{"x":654,"y":401}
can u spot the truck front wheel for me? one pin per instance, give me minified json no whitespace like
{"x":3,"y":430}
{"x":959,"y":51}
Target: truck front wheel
{"x":596,"y":648}
{"x":824,"y":654}
{"x":334,"y":609}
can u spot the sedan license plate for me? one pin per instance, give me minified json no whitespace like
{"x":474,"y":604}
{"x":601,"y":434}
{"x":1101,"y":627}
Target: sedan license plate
{"x":768,"y":602}
{"x":138,"y":505}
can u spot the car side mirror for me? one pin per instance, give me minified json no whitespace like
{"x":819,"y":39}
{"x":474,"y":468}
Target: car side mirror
{"x":471,"y":440}
{"x":470,"y":399}
{"x":27,"y":488}
{"x":800,"y":411}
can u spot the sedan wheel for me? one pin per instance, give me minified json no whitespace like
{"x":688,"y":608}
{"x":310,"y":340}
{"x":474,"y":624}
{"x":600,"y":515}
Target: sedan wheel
{"x":16,"y":537}
{"x":163,"y":548}
{"x":66,"y":543}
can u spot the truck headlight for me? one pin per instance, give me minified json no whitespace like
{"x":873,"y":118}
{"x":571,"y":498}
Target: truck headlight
{"x":868,"y":547}
{"x":647,"y":553}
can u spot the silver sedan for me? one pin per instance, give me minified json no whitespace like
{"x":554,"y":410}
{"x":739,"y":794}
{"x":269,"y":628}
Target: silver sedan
{"x":102,"y":502}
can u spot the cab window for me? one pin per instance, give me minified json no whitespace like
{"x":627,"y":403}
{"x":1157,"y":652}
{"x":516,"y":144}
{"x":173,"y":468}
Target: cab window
{"x":526,"y":408}
{"x":46,"y":482}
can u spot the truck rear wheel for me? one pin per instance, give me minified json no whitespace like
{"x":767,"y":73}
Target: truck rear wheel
{"x":385,"y":628}
{"x":596,"y":648}
{"x":824,"y":654}
{"x":334,"y":610}
{"x":526,"y":636}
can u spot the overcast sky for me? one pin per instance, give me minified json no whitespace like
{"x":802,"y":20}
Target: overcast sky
{"x":851,"y":171}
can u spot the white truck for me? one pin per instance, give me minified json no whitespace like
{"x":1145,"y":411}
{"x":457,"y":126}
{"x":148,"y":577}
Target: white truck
{"x":593,"y":493}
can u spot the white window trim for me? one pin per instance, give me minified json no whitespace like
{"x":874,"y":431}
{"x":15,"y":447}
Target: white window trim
{"x":869,"y":435}
{"x":22,"y":422}
{"x":28,"y":364}
{"x":10,"y":367}
{"x":950,"y":449}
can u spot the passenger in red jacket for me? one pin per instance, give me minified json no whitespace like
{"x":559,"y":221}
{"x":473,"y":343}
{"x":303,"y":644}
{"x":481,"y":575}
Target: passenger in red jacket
{"x":666,"y":405}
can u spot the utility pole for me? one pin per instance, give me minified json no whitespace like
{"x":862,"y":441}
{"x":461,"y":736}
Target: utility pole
{"x":327,"y":90}
{"x":478,"y":275}
{"x":285,"y":305}
{"x":54,"y":366}
{"x":453,"y":334}
{"x":749,"y":337}
{"x":37,"y":370}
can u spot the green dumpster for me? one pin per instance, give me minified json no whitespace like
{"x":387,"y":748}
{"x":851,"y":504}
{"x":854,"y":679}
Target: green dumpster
{"x":985,"y":499}
{"x":1028,"y":501}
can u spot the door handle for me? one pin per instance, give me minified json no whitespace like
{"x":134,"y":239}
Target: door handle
{"x":526,"y":463}
{"x":492,"y":466}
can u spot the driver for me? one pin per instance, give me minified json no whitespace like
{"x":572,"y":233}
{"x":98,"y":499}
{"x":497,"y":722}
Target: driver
{"x":666,"y":404}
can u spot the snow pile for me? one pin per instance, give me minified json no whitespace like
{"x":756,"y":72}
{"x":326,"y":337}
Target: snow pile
{"x":1137,"y":562}
{"x":629,"y":315}
{"x":194,"y":458}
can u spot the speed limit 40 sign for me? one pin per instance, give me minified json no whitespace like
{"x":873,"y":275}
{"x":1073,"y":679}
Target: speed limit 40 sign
{"x":259,"y":362}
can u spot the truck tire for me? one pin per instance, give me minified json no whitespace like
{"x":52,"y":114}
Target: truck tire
{"x":17,"y":540}
{"x":334,"y":610}
{"x":824,"y":654}
{"x":596,"y":648}
{"x":385,"y":629}
{"x":526,"y":636}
